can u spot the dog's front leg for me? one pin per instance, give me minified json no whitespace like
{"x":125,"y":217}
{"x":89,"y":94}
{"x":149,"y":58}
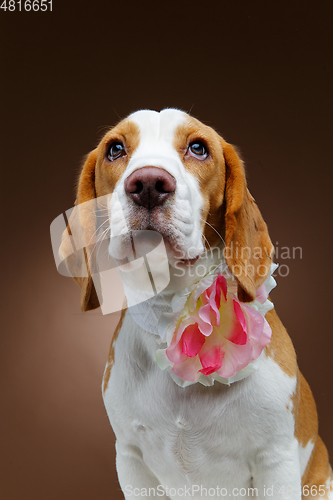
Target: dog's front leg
{"x":277,"y":475}
{"x":135,"y":478}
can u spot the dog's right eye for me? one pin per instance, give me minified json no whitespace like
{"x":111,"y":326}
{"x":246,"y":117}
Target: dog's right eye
{"x":115,"y":151}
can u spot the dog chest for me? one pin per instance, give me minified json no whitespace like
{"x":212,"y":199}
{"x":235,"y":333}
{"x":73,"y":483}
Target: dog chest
{"x":196,"y":431}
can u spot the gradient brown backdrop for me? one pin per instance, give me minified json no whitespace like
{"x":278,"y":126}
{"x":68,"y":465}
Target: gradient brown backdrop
{"x":261,"y":73}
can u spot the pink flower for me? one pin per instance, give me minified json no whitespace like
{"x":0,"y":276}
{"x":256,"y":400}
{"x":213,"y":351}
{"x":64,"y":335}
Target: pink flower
{"x":217,"y":334}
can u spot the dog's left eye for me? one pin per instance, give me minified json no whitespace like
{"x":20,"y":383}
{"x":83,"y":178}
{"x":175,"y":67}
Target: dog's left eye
{"x":198,"y":150}
{"x":116,"y":150}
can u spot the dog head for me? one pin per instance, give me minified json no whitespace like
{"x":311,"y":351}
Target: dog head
{"x":168,"y":172}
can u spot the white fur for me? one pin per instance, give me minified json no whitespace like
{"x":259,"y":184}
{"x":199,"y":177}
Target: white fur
{"x":304,"y":455}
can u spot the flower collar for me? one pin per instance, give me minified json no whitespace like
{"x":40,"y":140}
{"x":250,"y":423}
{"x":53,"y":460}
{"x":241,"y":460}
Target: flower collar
{"x":210,"y":334}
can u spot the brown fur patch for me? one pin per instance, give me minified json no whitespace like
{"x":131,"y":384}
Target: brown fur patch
{"x":281,"y":348}
{"x":318,"y":470}
{"x":110,"y":361}
{"x":305,"y":412}
{"x":108,"y":172}
{"x":245,"y":230}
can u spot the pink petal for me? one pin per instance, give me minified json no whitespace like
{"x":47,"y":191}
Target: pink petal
{"x":188,"y":369}
{"x":204,"y":313}
{"x":205,"y":328}
{"x":184,"y":323}
{"x":262,"y":295}
{"x":192,"y":341}
{"x":259,"y":330}
{"x":239,"y":314}
{"x":215,"y":316}
{"x":175,"y":353}
{"x":211,"y":354}
{"x":236,"y":357}
{"x":210,"y":289}
{"x":238,"y":336}
{"x":238,"y":333}
{"x":213,"y":310}
{"x":266,"y":334}
{"x":221,"y":285}
{"x":204,"y":298}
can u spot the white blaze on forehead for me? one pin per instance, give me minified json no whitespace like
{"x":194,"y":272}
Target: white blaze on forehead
{"x":157,"y":133}
{"x":158,"y":125}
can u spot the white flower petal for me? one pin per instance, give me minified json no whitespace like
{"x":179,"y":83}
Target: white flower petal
{"x":162,"y":359}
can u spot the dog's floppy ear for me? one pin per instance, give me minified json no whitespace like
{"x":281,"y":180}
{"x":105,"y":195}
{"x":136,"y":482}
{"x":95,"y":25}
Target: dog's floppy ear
{"x":79,"y":236}
{"x":248,"y":248}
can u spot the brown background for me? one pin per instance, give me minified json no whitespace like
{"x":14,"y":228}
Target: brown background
{"x":261,"y":73}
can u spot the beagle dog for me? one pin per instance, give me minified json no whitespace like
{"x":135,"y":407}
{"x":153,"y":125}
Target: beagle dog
{"x":254,"y":438}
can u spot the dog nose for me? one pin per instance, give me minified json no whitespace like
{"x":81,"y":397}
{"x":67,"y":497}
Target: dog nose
{"x":150,"y":186}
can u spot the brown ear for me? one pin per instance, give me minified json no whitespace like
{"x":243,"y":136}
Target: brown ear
{"x":248,"y":248}
{"x":79,"y":236}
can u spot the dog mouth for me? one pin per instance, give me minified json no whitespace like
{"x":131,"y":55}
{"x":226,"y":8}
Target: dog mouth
{"x":160,"y":220}
{"x":138,"y":243}
{"x":178,"y":255}
{"x":150,"y":236}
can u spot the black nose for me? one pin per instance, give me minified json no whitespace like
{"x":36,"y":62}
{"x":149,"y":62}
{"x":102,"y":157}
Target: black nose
{"x":150,"y":186}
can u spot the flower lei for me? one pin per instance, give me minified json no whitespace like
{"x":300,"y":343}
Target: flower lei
{"x":212,"y":335}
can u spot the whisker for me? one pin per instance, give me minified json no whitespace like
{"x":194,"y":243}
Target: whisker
{"x":208,"y":224}
{"x":99,"y":241}
{"x":102,"y":210}
{"x":95,"y":232}
{"x":209,"y":246}
{"x":204,"y":237}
